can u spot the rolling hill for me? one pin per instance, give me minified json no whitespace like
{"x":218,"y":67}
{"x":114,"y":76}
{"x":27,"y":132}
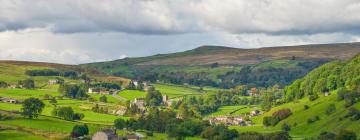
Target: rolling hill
{"x":219,"y":66}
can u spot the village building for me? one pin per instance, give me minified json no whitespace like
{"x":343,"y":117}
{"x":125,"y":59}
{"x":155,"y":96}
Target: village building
{"x":230,"y":121}
{"x":254,"y":112}
{"x":132,"y":137}
{"x":12,"y":86}
{"x":9,"y":100}
{"x":93,"y":90}
{"x":53,"y":82}
{"x":165,"y":98}
{"x":120,"y":111}
{"x":139,"y":102}
{"x":252,"y":92}
{"x":106,"y":134}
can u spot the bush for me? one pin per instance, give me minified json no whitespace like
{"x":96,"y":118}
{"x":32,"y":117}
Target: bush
{"x":3,"y":84}
{"x":313,"y":119}
{"x":286,"y":127}
{"x":326,"y":136}
{"x":67,"y":113}
{"x":345,"y":134}
{"x":103,"y":99}
{"x":282,"y":113}
{"x":331,"y":108}
{"x":267,"y":120}
{"x":79,"y":130}
{"x":313,"y":97}
{"x":306,"y":107}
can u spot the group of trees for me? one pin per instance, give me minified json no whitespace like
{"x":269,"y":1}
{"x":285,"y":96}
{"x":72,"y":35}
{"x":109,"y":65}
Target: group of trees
{"x":276,"y":117}
{"x":73,"y":91}
{"x":3,"y":84}
{"x":337,"y":75}
{"x":153,"y":97}
{"x":50,"y":72}
{"x":32,"y":107}
{"x":259,"y":76}
{"x":27,"y":83}
{"x":67,"y":113}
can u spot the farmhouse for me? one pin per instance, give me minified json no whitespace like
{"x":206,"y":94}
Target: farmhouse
{"x":254,"y":112}
{"x":9,"y":100}
{"x":12,"y":86}
{"x":93,"y":90}
{"x":139,"y":102}
{"x":106,"y":134}
{"x":121,"y":111}
{"x":228,"y":120}
{"x":252,"y":92}
{"x":53,"y":82}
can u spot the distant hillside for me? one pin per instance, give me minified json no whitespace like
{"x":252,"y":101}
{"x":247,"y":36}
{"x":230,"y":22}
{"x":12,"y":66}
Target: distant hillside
{"x":13,"y":71}
{"x":221,"y":66}
{"x":333,"y":76}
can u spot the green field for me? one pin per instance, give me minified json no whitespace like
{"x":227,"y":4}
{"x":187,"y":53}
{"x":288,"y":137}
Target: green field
{"x":22,"y":94}
{"x":232,"y":111}
{"x":132,"y":94}
{"x":174,"y":91}
{"x":18,"y":135}
{"x":300,"y":115}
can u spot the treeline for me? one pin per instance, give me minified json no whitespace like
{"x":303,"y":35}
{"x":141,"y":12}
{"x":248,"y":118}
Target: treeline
{"x":343,"y":77}
{"x":196,"y":107}
{"x":50,"y":72}
{"x":165,"y":121}
{"x":252,"y":75}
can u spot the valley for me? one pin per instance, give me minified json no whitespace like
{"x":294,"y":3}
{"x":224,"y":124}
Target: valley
{"x":298,"y":92}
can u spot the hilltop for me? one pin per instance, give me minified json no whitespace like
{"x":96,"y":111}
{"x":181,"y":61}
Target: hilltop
{"x":220,"y":66}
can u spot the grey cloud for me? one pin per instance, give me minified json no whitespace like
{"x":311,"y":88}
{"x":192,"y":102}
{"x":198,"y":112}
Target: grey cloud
{"x":274,"y":17}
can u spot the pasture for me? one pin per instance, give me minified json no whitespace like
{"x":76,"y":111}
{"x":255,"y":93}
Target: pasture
{"x":174,"y":91}
{"x":132,"y":94}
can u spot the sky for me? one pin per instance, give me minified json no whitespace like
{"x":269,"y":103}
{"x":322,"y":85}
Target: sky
{"x":83,"y":31}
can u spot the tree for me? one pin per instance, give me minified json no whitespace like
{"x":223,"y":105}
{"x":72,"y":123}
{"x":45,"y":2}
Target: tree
{"x":3,"y":84}
{"x":67,"y":113}
{"x":119,"y":124}
{"x":286,"y":127}
{"x":32,"y":107}
{"x":103,"y":99}
{"x":53,"y":100}
{"x":79,"y":130}
{"x":28,"y":84}
{"x":326,"y":136}
{"x":131,"y":86}
{"x":345,"y":134}
{"x":73,"y":91}
{"x":331,"y":108}
{"x":153,"y":98}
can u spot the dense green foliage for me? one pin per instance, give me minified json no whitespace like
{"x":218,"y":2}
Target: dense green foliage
{"x":332,"y":76}
{"x":73,"y":91}
{"x":153,"y":98}
{"x":32,"y":107}
{"x":67,"y":113}
{"x":79,"y":130}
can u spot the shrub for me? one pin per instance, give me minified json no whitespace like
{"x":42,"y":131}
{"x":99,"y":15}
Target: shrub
{"x":345,"y":134}
{"x":286,"y":127}
{"x":330,"y":109}
{"x":306,"y":107}
{"x":326,"y":136}
{"x":313,"y":97}
{"x":79,"y":130}
{"x":103,"y":99}
{"x":267,"y":120}
{"x":313,"y":119}
{"x":282,"y":113}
